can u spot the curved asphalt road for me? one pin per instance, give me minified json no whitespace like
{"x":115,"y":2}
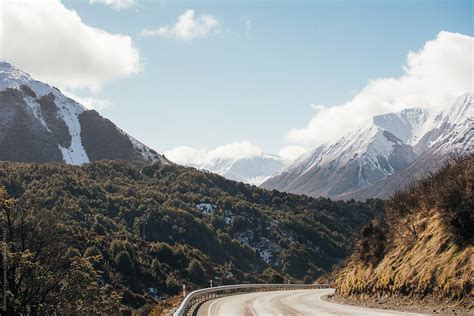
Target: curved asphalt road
{"x":294,"y":302}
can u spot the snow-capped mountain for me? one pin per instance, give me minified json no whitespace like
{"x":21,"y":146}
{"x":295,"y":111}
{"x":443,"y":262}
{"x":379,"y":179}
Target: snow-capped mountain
{"x":381,"y":149}
{"x":358,"y":159}
{"x":451,"y":135}
{"x":39,"y":124}
{"x":253,"y":170}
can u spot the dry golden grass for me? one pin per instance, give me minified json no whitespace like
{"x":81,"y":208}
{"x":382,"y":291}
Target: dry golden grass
{"x":434,"y":265}
{"x":424,"y":255}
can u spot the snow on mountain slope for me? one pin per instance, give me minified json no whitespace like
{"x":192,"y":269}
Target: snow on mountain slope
{"x":448,"y":120}
{"x":38,"y":124}
{"x":253,"y":170}
{"x":459,"y":140}
{"x":408,"y":124}
{"x":356,"y":160}
{"x":378,"y":150}
{"x":69,"y":111}
{"x":452,"y":129}
{"x":11,"y":77}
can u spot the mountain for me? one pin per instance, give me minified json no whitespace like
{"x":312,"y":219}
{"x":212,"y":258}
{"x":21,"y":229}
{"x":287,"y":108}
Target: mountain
{"x":358,"y":159}
{"x":40,"y":124}
{"x":421,"y":247}
{"x":253,"y":170}
{"x":383,"y":154}
{"x":144,"y":230}
{"x":449,"y":134}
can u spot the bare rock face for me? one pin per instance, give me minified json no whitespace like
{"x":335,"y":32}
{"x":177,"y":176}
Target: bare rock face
{"x":40,"y":124}
{"x":102,"y":139}
{"x":54,"y":121}
{"x":22,"y":137}
{"x":382,"y":155}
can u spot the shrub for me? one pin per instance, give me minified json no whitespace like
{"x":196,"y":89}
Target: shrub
{"x":196,"y":272}
{"x":124,"y":262}
{"x":371,"y":245}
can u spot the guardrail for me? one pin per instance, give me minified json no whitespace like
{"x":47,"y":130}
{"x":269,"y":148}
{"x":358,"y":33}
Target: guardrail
{"x":212,"y":292}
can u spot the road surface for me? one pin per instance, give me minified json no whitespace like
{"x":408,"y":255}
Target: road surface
{"x":293,"y":302}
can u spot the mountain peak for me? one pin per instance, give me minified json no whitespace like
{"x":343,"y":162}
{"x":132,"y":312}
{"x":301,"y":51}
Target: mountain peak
{"x":40,"y":124}
{"x":380,"y":148}
{"x":405,"y":124}
{"x":12,"y":77}
{"x":4,"y":64}
{"x":254,"y":170}
{"x":9,"y":71}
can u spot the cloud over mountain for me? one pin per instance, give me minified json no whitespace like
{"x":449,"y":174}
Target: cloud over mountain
{"x":53,"y":44}
{"x":239,"y":161}
{"x":433,"y":76}
{"x":193,"y":157}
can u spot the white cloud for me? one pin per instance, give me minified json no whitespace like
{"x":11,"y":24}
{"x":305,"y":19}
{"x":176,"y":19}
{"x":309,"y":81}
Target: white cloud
{"x":88,"y":101}
{"x":187,"y":28}
{"x":198,"y":158}
{"x":236,"y":150}
{"x":54,"y":45}
{"x":187,"y":156}
{"x":434,"y":76}
{"x":291,"y":152}
{"x":116,"y":4}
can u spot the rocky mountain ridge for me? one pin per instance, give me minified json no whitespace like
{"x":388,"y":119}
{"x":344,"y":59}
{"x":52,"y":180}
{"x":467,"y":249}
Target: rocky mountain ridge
{"x":369,"y":161}
{"x":38,"y":123}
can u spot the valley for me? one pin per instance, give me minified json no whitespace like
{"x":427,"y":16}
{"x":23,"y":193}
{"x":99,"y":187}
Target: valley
{"x":147,"y":230}
{"x":228,"y":158}
{"x":139,"y":226}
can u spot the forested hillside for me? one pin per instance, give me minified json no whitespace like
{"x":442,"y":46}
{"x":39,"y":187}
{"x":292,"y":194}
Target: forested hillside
{"x":111,"y":235}
{"x":423,"y":246}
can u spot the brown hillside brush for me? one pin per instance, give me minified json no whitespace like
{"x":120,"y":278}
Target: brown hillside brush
{"x":424,"y":243}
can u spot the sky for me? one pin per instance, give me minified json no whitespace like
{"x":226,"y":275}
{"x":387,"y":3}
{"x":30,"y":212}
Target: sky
{"x":196,"y":78}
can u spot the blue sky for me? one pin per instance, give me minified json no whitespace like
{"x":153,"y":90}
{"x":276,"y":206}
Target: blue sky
{"x":256,"y":77}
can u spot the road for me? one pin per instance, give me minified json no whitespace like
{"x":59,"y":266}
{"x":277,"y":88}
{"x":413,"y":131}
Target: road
{"x":293,"y":302}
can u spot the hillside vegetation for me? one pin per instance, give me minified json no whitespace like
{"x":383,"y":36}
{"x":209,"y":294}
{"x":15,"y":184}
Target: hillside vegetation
{"x":423,"y":245}
{"x":111,"y":236}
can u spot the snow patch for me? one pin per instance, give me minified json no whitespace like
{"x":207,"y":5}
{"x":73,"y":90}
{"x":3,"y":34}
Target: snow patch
{"x":68,"y":111}
{"x":35,"y":108}
{"x":207,"y":208}
{"x":268,"y":251}
{"x":266,"y":255}
{"x":228,"y":217}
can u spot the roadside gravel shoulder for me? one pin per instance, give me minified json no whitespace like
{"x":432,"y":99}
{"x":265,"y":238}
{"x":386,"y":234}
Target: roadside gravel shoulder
{"x":406,"y":304}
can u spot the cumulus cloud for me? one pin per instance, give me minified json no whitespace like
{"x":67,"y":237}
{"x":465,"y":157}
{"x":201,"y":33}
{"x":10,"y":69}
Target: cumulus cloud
{"x":187,"y":156}
{"x":236,"y":150}
{"x":200,"y":157}
{"x":116,"y":4}
{"x":187,"y":28}
{"x":291,"y":152}
{"x":433,"y":76}
{"x":89,"y":102}
{"x":54,"y":45}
